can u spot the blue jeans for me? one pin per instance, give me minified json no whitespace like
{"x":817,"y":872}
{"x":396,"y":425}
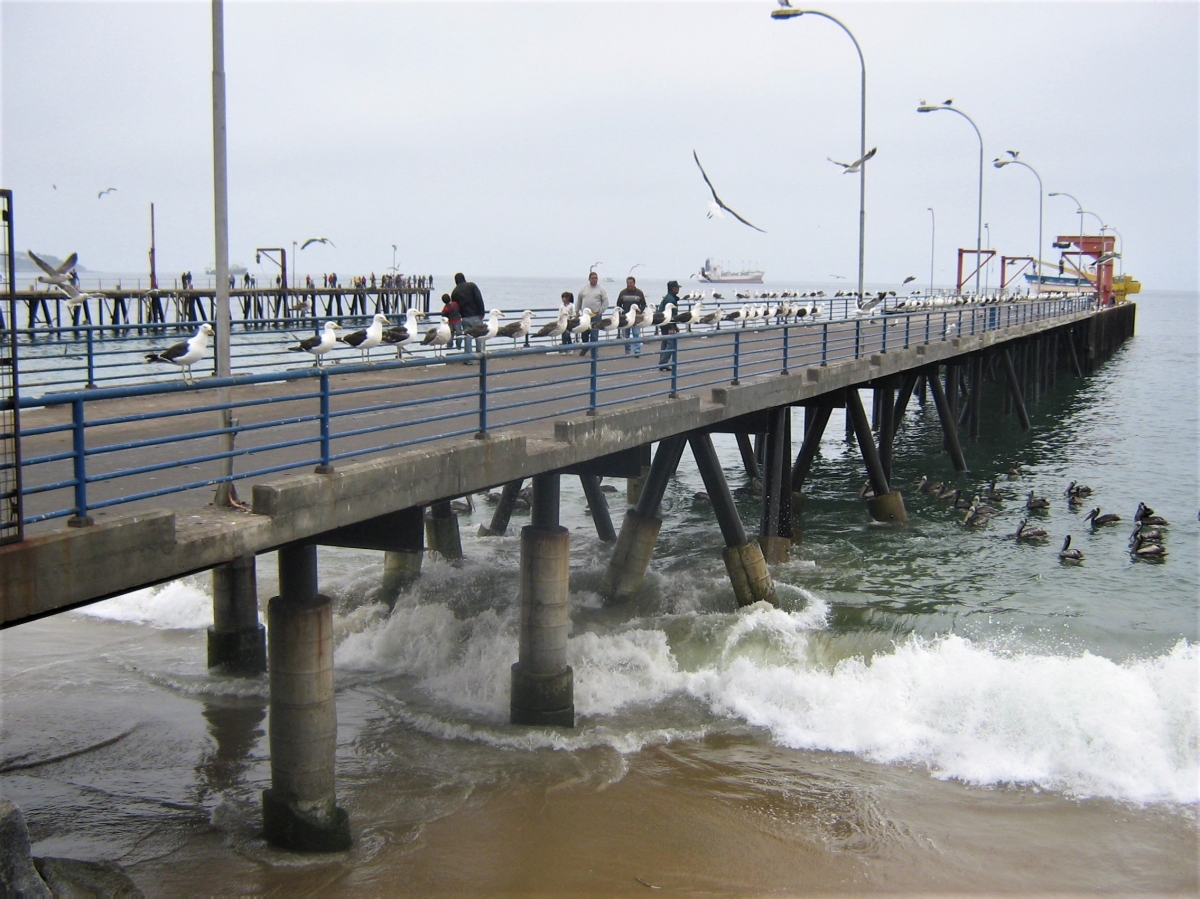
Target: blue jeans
{"x":632,"y":334}
{"x":469,"y":322}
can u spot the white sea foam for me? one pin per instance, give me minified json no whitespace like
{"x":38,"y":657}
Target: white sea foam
{"x":178,"y":604}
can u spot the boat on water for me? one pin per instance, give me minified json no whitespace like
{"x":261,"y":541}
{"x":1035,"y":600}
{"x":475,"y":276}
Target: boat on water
{"x":235,"y":269}
{"x":713,"y":273}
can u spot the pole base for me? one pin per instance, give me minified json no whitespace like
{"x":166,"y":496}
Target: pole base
{"x":889,"y":508}
{"x":287,"y":827}
{"x":749,"y":575}
{"x":543,"y":700}
{"x":238,"y":652}
{"x":631,"y":557}
{"x":776,"y":550}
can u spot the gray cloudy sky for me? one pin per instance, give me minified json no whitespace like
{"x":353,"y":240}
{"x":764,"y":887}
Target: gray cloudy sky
{"x":536,"y":138}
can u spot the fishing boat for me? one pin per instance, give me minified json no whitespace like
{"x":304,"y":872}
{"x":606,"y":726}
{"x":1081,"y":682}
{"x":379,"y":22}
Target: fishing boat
{"x":235,"y":268}
{"x":713,"y":273}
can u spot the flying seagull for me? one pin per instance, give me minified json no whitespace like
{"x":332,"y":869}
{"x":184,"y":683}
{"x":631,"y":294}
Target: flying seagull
{"x":1013,"y":153}
{"x":185,"y":354}
{"x":59,"y":275}
{"x":318,"y":240}
{"x":715,"y":207}
{"x":947,"y":102}
{"x":839,"y":277}
{"x":853,"y":168}
{"x":107,"y":190}
{"x":910,"y":278}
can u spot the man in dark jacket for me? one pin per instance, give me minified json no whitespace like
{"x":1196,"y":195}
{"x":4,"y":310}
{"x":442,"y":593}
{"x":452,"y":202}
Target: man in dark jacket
{"x":629,"y":298}
{"x":667,"y":355}
{"x":470,"y":306}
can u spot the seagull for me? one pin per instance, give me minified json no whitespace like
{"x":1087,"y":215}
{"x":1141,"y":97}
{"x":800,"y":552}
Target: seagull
{"x":839,"y":277}
{"x":715,"y":207}
{"x":59,"y":275}
{"x":1013,"y":153}
{"x":403,"y":335}
{"x":555,"y":328}
{"x":438,"y":337}
{"x":366,"y":340}
{"x":947,"y":102}
{"x":185,"y":354}
{"x":853,"y":168}
{"x":485,"y":331}
{"x":74,"y":296}
{"x":317,"y":345}
{"x":910,"y":278}
{"x":518,"y":329}
{"x":312,"y":240}
{"x":107,"y":190}
{"x":581,"y":324}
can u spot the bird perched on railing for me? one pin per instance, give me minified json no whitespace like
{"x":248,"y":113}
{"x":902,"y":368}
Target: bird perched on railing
{"x":518,"y":329}
{"x":404,"y":334}
{"x":320,"y":344}
{"x":485,"y":331}
{"x":186,"y":354}
{"x":582,"y":323}
{"x":438,"y":337}
{"x":556,"y":327}
{"x":367,"y":339}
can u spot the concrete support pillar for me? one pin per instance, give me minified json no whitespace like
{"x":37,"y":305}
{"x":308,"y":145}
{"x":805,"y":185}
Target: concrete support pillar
{"x":949,"y":427}
{"x":775,"y":528}
{"x":743,"y":559}
{"x":402,"y":566}
{"x":300,"y":810}
{"x":887,"y":504}
{"x":813,"y":432}
{"x":441,"y":531}
{"x":542,"y":681}
{"x":639,"y":531}
{"x":237,"y":643}
{"x":598,"y":504}
{"x":504,"y":509}
{"x":633,"y":486}
{"x":884,"y":399}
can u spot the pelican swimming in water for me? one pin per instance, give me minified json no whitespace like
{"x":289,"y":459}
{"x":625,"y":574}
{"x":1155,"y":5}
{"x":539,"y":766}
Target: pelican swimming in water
{"x":1026,"y":532}
{"x":1144,"y":549}
{"x":1067,"y":554}
{"x":1036,"y":503}
{"x":1146,"y":515}
{"x":1099,"y":520}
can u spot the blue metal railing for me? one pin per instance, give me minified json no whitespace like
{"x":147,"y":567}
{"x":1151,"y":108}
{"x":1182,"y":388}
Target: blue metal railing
{"x":408,"y":402}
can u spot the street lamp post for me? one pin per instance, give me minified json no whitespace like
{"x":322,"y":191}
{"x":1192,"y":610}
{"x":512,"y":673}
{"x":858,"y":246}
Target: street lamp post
{"x":1037,"y":265}
{"x":925,"y":107}
{"x":788,"y":12}
{"x":226,"y":494}
{"x":987,"y":272}
{"x":1063,"y":193}
{"x":1120,"y":246}
{"x":932,"y":241}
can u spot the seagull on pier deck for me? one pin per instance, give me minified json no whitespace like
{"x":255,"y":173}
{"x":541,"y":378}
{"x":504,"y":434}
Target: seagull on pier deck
{"x":54,"y":275}
{"x":438,"y":337}
{"x":318,"y":345}
{"x":187,"y":353}
{"x":403,"y":335}
{"x":853,"y":168}
{"x":717,"y":204}
{"x":556,"y":327}
{"x":367,"y":339}
{"x":313,"y":240}
{"x":518,"y":329}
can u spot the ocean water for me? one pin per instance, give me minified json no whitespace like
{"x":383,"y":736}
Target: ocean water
{"x":930,"y":708}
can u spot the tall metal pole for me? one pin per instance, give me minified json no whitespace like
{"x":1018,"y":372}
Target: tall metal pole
{"x":225,"y":492}
{"x":1037,"y":265}
{"x":932,"y":244}
{"x":788,"y":12}
{"x":979,"y":214}
{"x":987,"y":272}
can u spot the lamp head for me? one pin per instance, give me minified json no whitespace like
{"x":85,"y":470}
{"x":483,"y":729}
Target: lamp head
{"x":786,"y":12}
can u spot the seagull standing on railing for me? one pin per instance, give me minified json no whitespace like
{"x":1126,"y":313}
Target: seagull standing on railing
{"x":438,"y":337}
{"x":518,"y":329}
{"x":187,"y":353}
{"x":556,"y":327}
{"x":405,"y":334}
{"x":318,"y":345}
{"x":485,"y":331}
{"x":366,"y":340}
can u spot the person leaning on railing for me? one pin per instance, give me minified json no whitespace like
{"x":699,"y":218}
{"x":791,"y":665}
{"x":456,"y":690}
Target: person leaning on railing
{"x":667,"y":355}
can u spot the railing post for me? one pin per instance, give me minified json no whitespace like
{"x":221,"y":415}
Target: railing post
{"x":325,"y":467}
{"x":595,"y":377}
{"x":857,"y":335}
{"x":91,"y":359}
{"x":883,"y":348}
{"x":483,"y":424}
{"x":737,"y":356}
{"x":675,"y":365}
{"x":928,"y":315}
{"x":825,"y":343}
{"x":907,"y":328}
{"x":81,"y":519}
{"x":785,"y":350}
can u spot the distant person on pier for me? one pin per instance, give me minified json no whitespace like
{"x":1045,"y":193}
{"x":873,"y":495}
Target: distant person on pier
{"x":470,"y":305}
{"x":568,"y":301}
{"x":454,"y":317}
{"x":334,"y":297}
{"x":594,"y":299}
{"x":667,"y":351}
{"x":631,"y":298}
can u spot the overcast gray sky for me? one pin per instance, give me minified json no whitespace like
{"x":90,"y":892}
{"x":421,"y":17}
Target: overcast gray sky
{"x":537,"y":138}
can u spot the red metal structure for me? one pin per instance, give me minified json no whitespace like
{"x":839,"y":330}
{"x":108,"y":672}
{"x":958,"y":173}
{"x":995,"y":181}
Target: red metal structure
{"x":1094,"y":247}
{"x":983,"y":257}
{"x":1006,"y":261}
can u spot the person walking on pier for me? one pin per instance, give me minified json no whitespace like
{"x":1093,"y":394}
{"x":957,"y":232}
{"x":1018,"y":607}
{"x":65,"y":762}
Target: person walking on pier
{"x":470,"y":307}
{"x":631,"y":298}
{"x":594,"y":299}
{"x":667,"y":354}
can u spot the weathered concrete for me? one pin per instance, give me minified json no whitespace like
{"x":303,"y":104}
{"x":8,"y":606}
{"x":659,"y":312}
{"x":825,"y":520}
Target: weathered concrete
{"x":749,"y":575}
{"x":542,"y":681}
{"x":627,"y":566}
{"x":889,"y":508}
{"x":441,"y":532}
{"x":237,"y":642}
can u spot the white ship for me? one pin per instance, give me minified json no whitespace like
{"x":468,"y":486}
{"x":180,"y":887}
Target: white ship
{"x":713,"y":273}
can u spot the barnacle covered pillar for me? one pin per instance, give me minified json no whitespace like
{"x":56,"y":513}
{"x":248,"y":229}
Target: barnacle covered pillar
{"x":543,"y":690}
{"x":886,"y":504}
{"x":402,"y":565}
{"x":300,"y":810}
{"x":441,"y":531}
{"x":237,"y":642}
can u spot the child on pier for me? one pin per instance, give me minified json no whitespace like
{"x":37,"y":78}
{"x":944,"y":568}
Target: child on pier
{"x":454,"y":316}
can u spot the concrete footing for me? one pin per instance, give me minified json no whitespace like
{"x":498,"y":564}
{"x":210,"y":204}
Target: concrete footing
{"x":237,"y":642}
{"x":749,"y":575}
{"x":441,"y":532}
{"x":400,"y":568}
{"x":775,"y":549}
{"x":300,"y":809}
{"x":889,"y":507}
{"x":631,"y":556}
{"x":542,"y":682}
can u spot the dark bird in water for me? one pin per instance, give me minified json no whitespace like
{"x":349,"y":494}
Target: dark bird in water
{"x":717,"y":204}
{"x":313,"y":240}
{"x":187,"y":353}
{"x":1145,"y":515}
{"x":976,"y":517}
{"x":1027,"y":532}
{"x":1099,"y":520}
{"x":992,"y":493}
{"x":1036,"y":503}
{"x":1014,"y":473}
{"x":1148,"y":534}
{"x":1077,"y":489}
{"x":463,"y":506}
{"x":1144,"y":549}
{"x":928,"y":486}
{"x":1067,"y":554}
